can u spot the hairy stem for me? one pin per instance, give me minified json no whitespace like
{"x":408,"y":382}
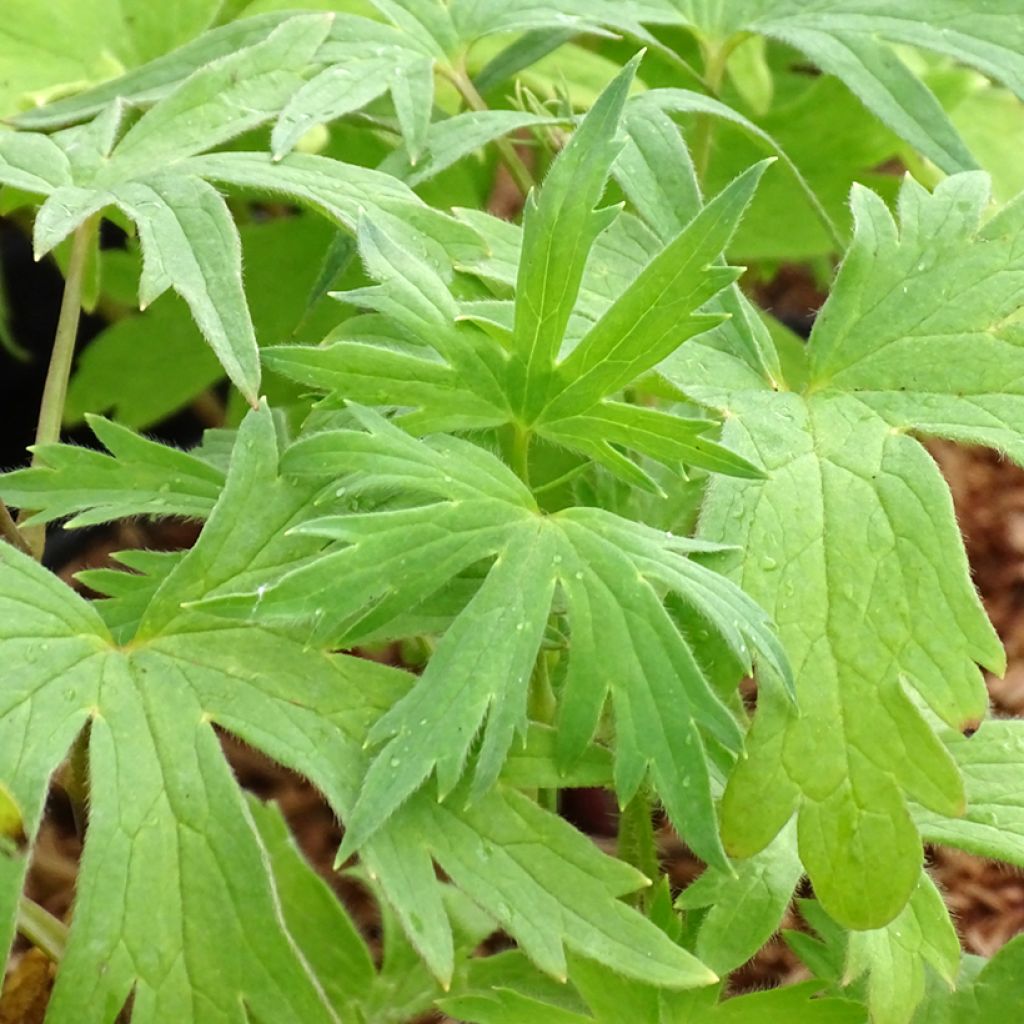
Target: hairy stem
{"x":636,"y":837}
{"x":10,"y":532}
{"x":75,"y":780}
{"x":507,"y":151}
{"x":715,"y":60}
{"x":42,"y":929}
{"x":51,"y":409}
{"x":520,"y":453}
{"x":542,"y":708}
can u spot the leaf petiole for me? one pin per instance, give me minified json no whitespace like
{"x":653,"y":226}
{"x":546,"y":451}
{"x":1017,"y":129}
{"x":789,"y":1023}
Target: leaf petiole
{"x":51,"y":409}
{"x":46,"y":932}
{"x":513,"y":162}
{"x":10,"y":532}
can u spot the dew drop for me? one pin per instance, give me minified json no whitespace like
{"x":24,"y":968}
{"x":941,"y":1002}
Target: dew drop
{"x":395,"y":762}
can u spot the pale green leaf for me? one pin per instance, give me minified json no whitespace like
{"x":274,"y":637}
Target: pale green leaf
{"x":344,"y":193}
{"x":994,"y":823}
{"x":895,"y":956}
{"x":171,"y":364}
{"x":174,"y":823}
{"x":364,"y":60}
{"x":451,"y":139}
{"x":655,"y":171}
{"x":191,"y":244}
{"x":744,"y":908}
{"x":324,"y":932}
{"x":853,"y":546}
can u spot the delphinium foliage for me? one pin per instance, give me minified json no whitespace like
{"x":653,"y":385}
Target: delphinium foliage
{"x":559,"y":462}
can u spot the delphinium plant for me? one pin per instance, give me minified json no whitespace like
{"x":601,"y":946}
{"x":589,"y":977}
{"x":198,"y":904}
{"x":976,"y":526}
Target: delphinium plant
{"x":562,"y":463}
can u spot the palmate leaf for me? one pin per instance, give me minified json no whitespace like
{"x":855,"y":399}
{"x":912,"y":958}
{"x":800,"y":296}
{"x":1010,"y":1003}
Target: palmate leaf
{"x":449,"y":375}
{"x":175,"y":903}
{"x":473,"y":508}
{"x":852,"y":39}
{"x":852,"y":542}
{"x":138,"y":477}
{"x":359,"y":61}
{"x":155,"y":175}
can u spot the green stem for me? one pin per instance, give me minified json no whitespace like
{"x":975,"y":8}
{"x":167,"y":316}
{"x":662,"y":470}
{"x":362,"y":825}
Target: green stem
{"x":42,"y":929}
{"x":520,"y":454}
{"x":513,"y":162}
{"x":75,"y":780}
{"x":543,"y":706}
{"x":51,"y":409}
{"x":716,"y":58}
{"x":10,"y":532}
{"x":637,"y":845}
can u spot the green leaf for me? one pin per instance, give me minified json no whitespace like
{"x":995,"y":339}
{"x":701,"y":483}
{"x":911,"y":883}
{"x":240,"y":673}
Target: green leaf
{"x":166,"y":816}
{"x":852,"y":545}
{"x":326,"y":935}
{"x":612,"y":998}
{"x":658,"y":311}
{"x":453,"y":138}
{"x":885,"y":85}
{"x":851,"y":39}
{"x":895,"y":956}
{"x":221,"y":100}
{"x":344,"y":193}
{"x":68,"y":44}
{"x":171,"y":364}
{"x":386,"y":562}
{"x":480,"y":671}
{"x":994,"y":823}
{"x":174,"y":823}
{"x":34,"y":163}
{"x":560,"y":225}
{"x":540,"y":879}
{"x":993,"y":994}
{"x":191,"y":244}
{"x":679,"y":101}
{"x":364,"y":60}
{"x":744,"y":908}
{"x":138,"y":477}
{"x":154,"y":80}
